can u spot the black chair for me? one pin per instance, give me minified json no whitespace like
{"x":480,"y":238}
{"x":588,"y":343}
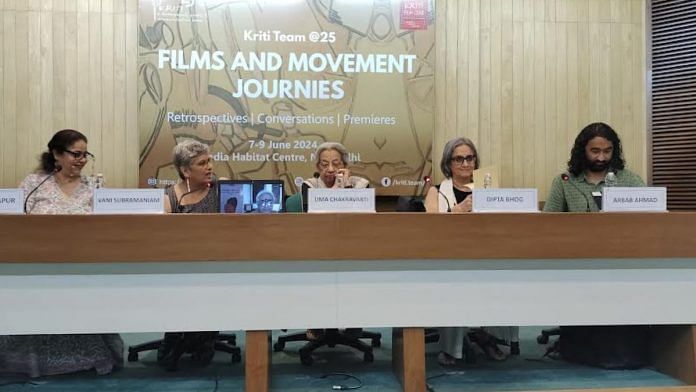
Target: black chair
{"x":547,"y":333}
{"x":410,"y":204}
{"x":223,"y":342}
{"x":332,"y":337}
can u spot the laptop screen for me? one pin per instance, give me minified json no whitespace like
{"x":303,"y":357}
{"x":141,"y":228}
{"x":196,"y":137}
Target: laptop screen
{"x":251,"y":196}
{"x":235,"y":196}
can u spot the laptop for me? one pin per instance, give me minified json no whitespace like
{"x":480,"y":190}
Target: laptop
{"x":251,"y":196}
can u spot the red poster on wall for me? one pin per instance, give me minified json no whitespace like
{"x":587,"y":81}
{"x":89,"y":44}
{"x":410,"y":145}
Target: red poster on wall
{"x":414,"y":14}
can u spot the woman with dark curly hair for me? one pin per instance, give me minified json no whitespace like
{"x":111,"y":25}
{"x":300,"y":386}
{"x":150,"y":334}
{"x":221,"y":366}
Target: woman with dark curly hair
{"x":596,"y":152}
{"x":60,"y":188}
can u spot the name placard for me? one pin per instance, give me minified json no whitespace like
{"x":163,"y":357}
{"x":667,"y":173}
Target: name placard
{"x":128,"y":201}
{"x":341,"y":200}
{"x":505,"y":200}
{"x":624,"y":199}
{"x":11,"y":201}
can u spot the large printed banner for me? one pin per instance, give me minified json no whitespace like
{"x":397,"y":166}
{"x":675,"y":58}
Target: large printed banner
{"x":263,"y":82}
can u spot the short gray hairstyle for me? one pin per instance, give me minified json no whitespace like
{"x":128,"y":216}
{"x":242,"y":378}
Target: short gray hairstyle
{"x":448,"y":151}
{"x":334,"y":146}
{"x":185,"y":152}
{"x":265,"y":192}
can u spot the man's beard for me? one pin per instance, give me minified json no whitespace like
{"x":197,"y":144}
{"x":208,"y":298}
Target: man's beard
{"x":596,"y":167}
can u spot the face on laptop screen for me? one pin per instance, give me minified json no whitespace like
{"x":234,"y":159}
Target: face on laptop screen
{"x":247,"y":196}
{"x":268,"y":196}
{"x":235,"y":196}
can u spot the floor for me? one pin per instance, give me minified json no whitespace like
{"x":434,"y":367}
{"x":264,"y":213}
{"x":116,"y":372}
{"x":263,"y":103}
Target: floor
{"x":527,"y":372}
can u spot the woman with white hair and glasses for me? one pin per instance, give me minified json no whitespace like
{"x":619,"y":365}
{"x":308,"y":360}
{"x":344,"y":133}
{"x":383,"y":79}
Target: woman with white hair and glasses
{"x":194,"y":192}
{"x":459,"y":160}
{"x":332,"y":162}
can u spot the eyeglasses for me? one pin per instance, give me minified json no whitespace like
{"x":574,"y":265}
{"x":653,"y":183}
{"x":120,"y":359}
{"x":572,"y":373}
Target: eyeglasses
{"x":459,"y":160}
{"x":265,"y":202}
{"x":325,"y":164}
{"x":80,"y":154}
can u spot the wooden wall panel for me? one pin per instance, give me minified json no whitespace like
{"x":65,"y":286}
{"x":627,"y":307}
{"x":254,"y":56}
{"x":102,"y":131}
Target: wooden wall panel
{"x":519,"y":77}
{"x":69,"y":64}
{"x":525,"y":76}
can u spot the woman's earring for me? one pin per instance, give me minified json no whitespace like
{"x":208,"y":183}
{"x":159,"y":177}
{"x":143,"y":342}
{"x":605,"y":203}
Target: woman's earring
{"x":188,"y":186}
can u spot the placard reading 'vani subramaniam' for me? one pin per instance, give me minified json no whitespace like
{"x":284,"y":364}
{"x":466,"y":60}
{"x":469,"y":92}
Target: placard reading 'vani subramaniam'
{"x":128,"y":201}
{"x":11,"y":201}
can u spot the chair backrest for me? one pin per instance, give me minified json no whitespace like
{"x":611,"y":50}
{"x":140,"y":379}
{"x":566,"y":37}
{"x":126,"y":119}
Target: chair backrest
{"x":409,"y":204}
{"x":294,"y":203}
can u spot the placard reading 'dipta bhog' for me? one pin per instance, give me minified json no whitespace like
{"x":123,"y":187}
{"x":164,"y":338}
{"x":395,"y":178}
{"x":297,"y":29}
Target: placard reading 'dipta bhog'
{"x":11,"y":201}
{"x":263,"y":83}
{"x":626,"y":199}
{"x":505,"y":200}
{"x":128,"y":201}
{"x":341,"y":200}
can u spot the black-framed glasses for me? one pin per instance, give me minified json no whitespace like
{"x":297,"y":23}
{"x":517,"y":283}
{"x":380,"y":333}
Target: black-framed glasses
{"x":325,"y":164}
{"x":459,"y":159}
{"x":268,"y":202}
{"x":80,"y":154}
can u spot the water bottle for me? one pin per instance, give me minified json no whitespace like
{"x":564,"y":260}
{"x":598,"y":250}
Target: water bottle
{"x":99,"y":182}
{"x":487,"y":181}
{"x":610,"y":179}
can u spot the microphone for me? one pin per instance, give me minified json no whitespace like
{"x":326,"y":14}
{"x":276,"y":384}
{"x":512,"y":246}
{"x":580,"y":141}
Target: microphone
{"x":208,"y":185}
{"x":427,"y":183}
{"x":449,"y":208}
{"x":304,"y":191}
{"x":610,"y":179}
{"x":53,"y":173}
{"x":566,"y":178}
{"x":179,"y":207}
{"x":213,"y":181}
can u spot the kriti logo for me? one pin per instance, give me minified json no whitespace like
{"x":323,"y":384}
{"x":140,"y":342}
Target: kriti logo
{"x":177,"y":11}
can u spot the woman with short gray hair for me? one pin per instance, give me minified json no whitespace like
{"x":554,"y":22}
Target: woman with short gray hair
{"x":459,"y":160}
{"x":193,"y":193}
{"x":332,"y":162}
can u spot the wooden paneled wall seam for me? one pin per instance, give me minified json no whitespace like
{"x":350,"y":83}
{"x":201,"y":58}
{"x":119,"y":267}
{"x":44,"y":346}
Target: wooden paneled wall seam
{"x":69,"y":64}
{"x":519,"y":77}
{"x":522,"y":77}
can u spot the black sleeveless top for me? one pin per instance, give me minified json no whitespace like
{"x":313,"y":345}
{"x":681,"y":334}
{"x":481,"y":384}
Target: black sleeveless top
{"x":207,"y":205}
{"x":458,"y":195}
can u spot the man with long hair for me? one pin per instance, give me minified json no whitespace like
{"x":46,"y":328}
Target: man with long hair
{"x":595,"y":154}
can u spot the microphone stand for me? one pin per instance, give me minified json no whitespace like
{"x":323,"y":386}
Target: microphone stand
{"x":180,"y":207}
{"x":26,"y":199}
{"x":449,"y":208}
